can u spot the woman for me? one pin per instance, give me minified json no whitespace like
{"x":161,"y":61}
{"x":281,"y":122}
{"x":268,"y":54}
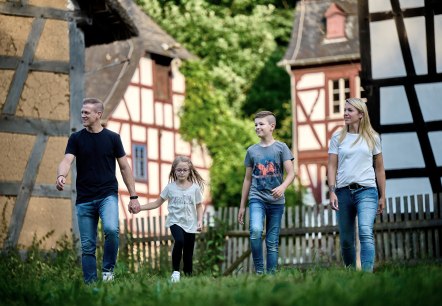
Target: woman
{"x":356,"y":179}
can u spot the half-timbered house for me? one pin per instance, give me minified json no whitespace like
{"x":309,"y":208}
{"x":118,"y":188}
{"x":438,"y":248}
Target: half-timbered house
{"x":323,"y":62}
{"x":402,"y":74}
{"x":143,"y":91}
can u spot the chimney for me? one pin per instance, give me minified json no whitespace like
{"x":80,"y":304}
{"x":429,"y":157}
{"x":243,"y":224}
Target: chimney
{"x":335,"y":17}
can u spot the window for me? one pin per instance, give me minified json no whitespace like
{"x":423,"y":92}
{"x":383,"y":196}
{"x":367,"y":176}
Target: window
{"x":162,"y":81}
{"x":139,"y":161}
{"x":339,"y":91}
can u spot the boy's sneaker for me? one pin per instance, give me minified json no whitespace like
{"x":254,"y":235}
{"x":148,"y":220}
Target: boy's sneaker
{"x":175,"y":278}
{"x":108,"y":276}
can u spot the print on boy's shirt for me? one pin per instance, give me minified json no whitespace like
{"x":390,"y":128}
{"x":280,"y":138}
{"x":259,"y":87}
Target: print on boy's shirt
{"x":267,"y":173}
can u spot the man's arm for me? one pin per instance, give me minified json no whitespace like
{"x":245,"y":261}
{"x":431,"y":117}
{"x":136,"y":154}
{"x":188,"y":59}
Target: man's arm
{"x":129,"y":181}
{"x":63,"y":170}
{"x":245,"y":193}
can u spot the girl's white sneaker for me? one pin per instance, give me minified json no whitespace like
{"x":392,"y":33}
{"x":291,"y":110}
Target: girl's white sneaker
{"x":108,"y":276}
{"x":175,"y":278}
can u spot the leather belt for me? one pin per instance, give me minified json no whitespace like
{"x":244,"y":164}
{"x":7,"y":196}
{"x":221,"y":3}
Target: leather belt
{"x":354,"y":186}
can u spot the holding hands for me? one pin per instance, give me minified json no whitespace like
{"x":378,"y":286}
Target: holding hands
{"x":134,"y":206}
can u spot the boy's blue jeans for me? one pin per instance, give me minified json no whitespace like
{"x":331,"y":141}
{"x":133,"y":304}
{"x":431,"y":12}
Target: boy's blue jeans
{"x":88,"y":214}
{"x":272,"y":214}
{"x":361,"y":202}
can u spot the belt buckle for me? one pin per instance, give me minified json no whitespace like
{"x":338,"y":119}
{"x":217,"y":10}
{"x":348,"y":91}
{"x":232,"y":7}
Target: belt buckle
{"x":356,"y":186}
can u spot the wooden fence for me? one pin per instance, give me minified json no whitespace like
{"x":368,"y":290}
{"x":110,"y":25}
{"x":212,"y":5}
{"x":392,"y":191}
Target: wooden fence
{"x":408,"y":230}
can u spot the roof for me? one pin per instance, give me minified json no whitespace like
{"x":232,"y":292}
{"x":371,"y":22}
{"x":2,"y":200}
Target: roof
{"x":308,"y":46}
{"x":110,"y":67}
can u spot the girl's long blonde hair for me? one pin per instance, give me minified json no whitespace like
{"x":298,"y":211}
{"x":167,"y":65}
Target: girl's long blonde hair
{"x":194,"y":176}
{"x":365,"y":129}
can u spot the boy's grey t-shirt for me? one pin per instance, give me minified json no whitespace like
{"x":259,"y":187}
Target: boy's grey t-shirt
{"x":182,"y":206}
{"x":267,"y":165}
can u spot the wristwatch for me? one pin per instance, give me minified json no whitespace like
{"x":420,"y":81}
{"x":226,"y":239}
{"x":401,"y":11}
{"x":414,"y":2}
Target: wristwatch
{"x":332,"y":188}
{"x":133,"y":197}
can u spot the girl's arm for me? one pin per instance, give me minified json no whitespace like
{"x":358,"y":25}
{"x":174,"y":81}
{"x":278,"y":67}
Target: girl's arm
{"x":199,"y":215}
{"x":152,"y":205}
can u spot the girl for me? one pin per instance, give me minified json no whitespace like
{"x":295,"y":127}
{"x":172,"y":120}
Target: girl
{"x":184,"y":195}
{"x":356,"y":179}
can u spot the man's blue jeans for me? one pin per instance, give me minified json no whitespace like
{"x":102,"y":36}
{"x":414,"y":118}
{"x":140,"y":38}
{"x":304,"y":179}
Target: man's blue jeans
{"x":88,"y":214}
{"x":272,"y":214}
{"x":361,"y":202}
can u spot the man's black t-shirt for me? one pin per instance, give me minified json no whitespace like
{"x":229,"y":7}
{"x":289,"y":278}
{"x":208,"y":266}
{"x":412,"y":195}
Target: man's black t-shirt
{"x":95,"y":155}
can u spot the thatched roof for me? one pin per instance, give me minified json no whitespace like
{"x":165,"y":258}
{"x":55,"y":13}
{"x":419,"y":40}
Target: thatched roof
{"x":308,"y":46}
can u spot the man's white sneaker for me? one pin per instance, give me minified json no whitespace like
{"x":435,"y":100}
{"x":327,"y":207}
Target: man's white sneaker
{"x":175,"y":278}
{"x":108,"y":276}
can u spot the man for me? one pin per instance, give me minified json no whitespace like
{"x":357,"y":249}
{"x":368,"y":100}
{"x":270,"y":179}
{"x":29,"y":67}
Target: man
{"x":96,"y":149}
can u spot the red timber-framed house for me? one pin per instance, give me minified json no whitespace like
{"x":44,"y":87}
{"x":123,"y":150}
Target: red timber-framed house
{"x":324,"y":63}
{"x":143,"y":91}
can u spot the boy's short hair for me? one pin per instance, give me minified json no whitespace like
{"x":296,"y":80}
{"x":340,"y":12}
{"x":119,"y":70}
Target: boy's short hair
{"x":263,"y":114}
{"x":99,"y":107}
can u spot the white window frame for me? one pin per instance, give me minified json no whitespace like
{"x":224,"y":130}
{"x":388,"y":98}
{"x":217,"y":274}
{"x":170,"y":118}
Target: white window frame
{"x":343,"y":94}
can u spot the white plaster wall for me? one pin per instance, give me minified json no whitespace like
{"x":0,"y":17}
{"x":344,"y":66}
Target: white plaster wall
{"x":167,"y":146}
{"x":132,"y":98}
{"x":147,"y":111}
{"x":152,"y":139}
{"x":378,"y":6}
{"x":178,"y":102}
{"x":306,"y":138}
{"x":429,"y":95}
{"x":438,"y":41}
{"x":394,"y":105}
{"x":146,"y":71}
{"x":418,"y":43}
{"x":402,"y":150}
{"x":168,"y":115}
{"x":386,"y":55}
{"x":152,"y":172}
{"x":138,"y":133}
{"x":405,"y":4}
{"x":125,"y":138}
{"x":311,"y":80}
{"x":159,"y":113}
{"x":121,"y":112}
{"x":436,"y":145}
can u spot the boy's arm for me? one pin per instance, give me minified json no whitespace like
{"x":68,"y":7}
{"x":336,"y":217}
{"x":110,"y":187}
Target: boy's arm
{"x":290,"y":170}
{"x":245,"y":193}
{"x":152,"y":205}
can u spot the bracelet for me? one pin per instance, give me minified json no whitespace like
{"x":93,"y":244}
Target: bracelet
{"x":332,"y":188}
{"x":133,"y":197}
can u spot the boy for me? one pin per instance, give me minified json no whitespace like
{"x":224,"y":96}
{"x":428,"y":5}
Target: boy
{"x":264,"y":187}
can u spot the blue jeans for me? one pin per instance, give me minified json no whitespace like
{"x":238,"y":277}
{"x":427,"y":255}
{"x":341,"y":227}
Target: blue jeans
{"x":88,"y":214}
{"x":272,"y":214}
{"x":361,"y":202}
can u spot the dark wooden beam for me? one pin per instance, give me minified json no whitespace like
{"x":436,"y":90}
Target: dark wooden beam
{"x":18,"y":9}
{"x":26,"y":187}
{"x":12,"y":124}
{"x":39,"y":190}
{"x":21,"y":73}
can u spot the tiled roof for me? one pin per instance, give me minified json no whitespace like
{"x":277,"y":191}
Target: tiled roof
{"x":308,"y":46}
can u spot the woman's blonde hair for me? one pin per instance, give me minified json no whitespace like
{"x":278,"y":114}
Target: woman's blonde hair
{"x":365,"y":130}
{"x":194,"y":176}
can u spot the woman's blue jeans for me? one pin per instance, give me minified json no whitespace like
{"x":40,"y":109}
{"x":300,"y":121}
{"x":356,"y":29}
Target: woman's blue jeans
{"x":88,"y":214}
{"x":363,"y":203}
{"x":272,"y":214}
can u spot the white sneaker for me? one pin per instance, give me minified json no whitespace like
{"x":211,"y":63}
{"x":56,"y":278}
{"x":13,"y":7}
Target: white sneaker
{"x":108,"y":276}
{"x":175,"y":278}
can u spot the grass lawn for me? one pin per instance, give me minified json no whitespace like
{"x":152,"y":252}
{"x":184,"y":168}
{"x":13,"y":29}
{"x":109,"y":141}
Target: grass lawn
{"x":59,"y":282}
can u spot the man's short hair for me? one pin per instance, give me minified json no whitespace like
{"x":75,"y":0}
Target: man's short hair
{"x":96,"y":102}
{"x":264,"y":114}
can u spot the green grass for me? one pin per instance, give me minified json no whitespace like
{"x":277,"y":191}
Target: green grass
{"x":58,"y":281}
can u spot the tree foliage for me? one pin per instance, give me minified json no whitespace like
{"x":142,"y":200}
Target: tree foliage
{"x":238,"y":43}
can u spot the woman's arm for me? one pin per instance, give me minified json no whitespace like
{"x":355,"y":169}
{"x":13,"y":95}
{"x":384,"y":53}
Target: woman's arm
{"x":331,"y":177}
{"x":378,"y":162}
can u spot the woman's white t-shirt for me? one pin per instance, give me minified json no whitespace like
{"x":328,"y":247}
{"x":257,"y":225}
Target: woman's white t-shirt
{"x":182,"y":206}
{"x":355,"y":162}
